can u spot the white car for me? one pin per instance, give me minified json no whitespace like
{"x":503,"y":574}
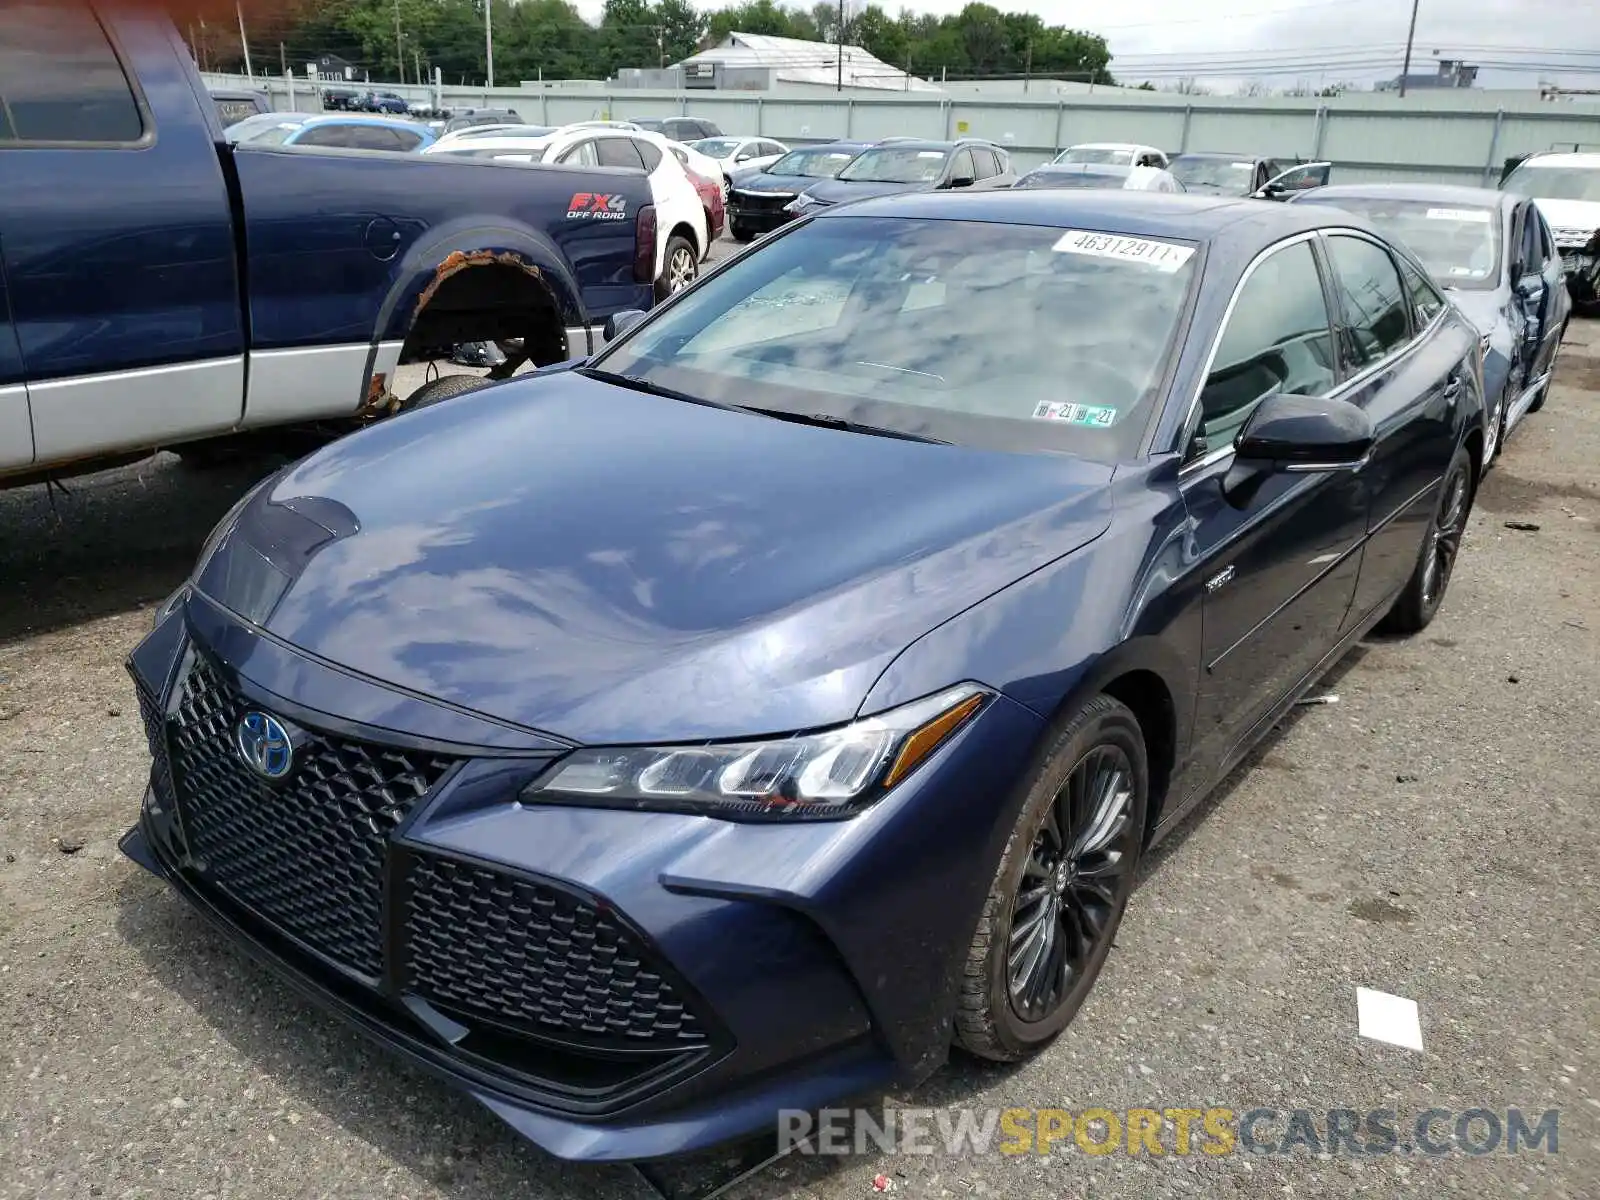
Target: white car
{"x":682,"y":237}
{"x":1118,"y":154}
{"x":1566,"y":187}
{"x":734,"y":154}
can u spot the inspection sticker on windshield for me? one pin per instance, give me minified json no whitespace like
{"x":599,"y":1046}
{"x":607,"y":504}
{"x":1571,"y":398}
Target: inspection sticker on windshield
{"x":1479,"y":216}
{"x":1164,"y":256}
{"x":1097,"y":415}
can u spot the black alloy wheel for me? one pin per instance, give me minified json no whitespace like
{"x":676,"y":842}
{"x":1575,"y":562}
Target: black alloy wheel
{"x":1071,"y":883}
{"x":1436,"y":561}
{"x":1061,"y":887}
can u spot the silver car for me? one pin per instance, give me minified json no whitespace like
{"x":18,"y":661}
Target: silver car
{"x":1494,"y":255}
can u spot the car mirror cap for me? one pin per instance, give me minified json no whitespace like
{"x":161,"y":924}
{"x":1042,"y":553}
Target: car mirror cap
{"x":1305,"y":434}
{"x":618,"y":323}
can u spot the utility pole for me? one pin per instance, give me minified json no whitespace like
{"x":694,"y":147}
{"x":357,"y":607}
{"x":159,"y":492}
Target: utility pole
{"x":399,"y":54}
{"x":283,"y":59}
{"x":839,"y":86}
{"x":244,"y":41}
{"x":488,"y":37}
{"x":1027,"y":69}
{"x":1411,"y":37}
{"x":416,"y":57}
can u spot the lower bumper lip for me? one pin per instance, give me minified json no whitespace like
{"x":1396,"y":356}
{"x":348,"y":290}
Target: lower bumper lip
{"x":855,"y":1070}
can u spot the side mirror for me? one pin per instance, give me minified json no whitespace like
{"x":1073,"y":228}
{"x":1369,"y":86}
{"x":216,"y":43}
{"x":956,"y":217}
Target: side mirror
{"x":1296,"y":434}
{"x":961,"y":181}
{"x":1305,"y":434}
{"x":1529,"y":287}
{"x":618,"y":323}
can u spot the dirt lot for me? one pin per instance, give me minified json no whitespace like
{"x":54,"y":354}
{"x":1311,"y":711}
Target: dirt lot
{"x":1433,"y":834}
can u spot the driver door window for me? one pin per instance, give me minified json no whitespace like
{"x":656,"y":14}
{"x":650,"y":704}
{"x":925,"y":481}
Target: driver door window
{"x":1277,"y":339}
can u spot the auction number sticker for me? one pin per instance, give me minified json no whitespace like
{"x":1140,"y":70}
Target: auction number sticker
{"x":1099,"y":416}
{"x":1478,"y":216}
{"x":1163,"y":256}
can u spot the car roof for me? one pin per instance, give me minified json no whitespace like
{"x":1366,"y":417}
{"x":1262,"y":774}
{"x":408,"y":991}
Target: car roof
{"x":1239,"y":156}
{"x":1564,"y":158}
{"x":1055,"y":168}
{"x":1443,"y":193}
{"x":364,"y":119}
{"x":1135,"y":213}
{"x":1110,"y":146}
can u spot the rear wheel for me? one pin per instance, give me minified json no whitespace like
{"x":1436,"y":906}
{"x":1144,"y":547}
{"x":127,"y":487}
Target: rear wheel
{"x":1061,"y":886}
{"x":679,"y":267}
{"x":1538,"y":401}
{"x":1436,"y":562}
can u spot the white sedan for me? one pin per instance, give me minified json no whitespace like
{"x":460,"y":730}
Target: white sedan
{"x":735,"y":154}
{"x":682,"y":237}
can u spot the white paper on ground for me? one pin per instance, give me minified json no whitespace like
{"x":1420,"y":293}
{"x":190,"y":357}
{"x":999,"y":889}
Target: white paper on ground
{"x":1386,"y":1018}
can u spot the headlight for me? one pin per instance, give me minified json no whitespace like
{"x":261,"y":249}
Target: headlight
{"x":800,"y":204}
{"x":831,"y":774}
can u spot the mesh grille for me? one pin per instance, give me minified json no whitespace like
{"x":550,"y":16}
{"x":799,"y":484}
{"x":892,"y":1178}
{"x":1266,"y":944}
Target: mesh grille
{"x":307,"y":853}
{"x":534,"y":957}
{"x":755,"y":202}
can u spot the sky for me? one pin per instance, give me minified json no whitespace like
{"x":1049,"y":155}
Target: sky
{"x":1328,"y":41}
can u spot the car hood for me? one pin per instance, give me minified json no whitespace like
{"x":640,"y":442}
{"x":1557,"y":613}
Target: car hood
{"x":841,"y":191}
{"x":1571,"y":214}
{"x":609,"y":566}
{"x":760,"y":181}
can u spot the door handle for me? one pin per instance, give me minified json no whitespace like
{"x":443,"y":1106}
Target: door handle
{"x":1452,"y":390}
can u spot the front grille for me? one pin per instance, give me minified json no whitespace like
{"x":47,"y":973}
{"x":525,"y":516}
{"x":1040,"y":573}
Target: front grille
{"x":530,"y":956}
{"x":306,"y":853}
{"x":761,"y":202}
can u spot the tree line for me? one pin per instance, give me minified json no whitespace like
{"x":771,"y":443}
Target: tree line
{"x":405,"y":39}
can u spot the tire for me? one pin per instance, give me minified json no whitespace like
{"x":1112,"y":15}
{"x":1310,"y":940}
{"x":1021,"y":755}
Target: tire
{"x":739,"y":233}
{"x":442,"y":389}
{"x":1499,"y":428}
{"x":680,"y":267}
{"x":993,"y":1020}
{"x":1441,"y":545}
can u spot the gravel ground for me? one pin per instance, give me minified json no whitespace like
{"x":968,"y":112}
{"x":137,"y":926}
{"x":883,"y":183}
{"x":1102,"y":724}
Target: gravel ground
{"x":1433,"y":834}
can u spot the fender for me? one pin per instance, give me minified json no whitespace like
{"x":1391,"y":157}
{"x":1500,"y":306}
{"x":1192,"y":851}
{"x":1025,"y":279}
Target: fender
{"x":428,"y":261}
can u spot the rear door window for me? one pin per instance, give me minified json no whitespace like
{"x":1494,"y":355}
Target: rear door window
{"x":961,"y":166}
{"x":60,"y":80}
{"x":618,"y":152}
{"x":1374,"y":312}
{"x":988,"y":166}
{"x":1426,"y":302}
{"x":581,"y":155}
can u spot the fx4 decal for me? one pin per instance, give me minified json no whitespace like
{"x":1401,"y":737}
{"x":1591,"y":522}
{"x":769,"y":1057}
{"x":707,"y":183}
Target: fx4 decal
{"x":595,"y":207}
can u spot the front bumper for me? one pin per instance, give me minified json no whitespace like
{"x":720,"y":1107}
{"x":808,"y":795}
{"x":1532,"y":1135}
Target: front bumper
{"x":759,"y":213}
{"x":838,"y":982}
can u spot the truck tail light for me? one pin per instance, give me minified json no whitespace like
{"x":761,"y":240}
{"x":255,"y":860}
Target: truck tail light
{"x":644,"y":245}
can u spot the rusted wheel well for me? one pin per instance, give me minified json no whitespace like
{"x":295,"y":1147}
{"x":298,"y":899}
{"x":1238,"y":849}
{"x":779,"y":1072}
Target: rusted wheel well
{"x":486,"y":297}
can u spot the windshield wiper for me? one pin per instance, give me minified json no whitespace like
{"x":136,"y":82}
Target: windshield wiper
{"x":639,"y":383}
{"x":829,"y":421}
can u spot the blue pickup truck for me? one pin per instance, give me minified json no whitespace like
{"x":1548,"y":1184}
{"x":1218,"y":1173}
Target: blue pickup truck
{"x":162,"y":288}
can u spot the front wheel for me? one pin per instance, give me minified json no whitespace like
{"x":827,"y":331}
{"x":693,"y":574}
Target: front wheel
{"x":739,"y":233}
{"x":680,"y":269}
{"x":1061,"y":887}
{"x":1436,"y":561}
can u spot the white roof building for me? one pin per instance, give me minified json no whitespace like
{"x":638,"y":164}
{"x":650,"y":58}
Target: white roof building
{"x":792,"y":60}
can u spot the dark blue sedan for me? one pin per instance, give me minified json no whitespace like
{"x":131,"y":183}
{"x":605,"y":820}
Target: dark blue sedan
{"x":1495,"y":257}
{"x":740,"y":719}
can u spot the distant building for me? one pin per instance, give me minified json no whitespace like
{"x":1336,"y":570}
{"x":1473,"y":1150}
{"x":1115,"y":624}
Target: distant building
{"x":330,"y":68}
{"x":1451,"y":73}
{"x":756,"y":62}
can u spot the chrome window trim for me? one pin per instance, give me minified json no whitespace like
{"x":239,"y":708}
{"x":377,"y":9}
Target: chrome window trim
{"x":1360,"y":379}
